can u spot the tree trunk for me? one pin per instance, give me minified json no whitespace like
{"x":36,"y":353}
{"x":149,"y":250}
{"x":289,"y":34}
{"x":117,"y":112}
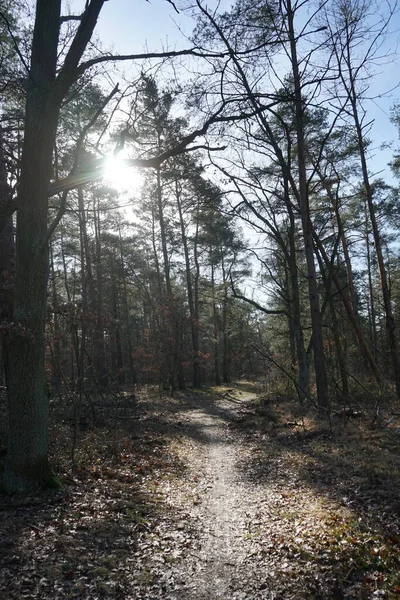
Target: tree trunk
{"x":99,"y":342}
{"x":7,"y":262}
{"x":132,"y":372}
{"x":27,"y":463}
{"x":316,"y":317}
{"x":56,"y":372}
{"x":116,"y":351}
{"x":194,"y":325}
{"x":349,"y":309}
{"x":374,"y":334}
{"x":215,"y":327}
{"x":349,"y":76}
{"x":177,"y":367}
{"x":226,"y":375}
{"x":303,"y":389}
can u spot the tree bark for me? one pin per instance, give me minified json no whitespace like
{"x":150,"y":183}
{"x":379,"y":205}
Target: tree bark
{"x":27,"y":464}
{"x":215,"y":327}
{"x":7,"y":263}
{"x":132,"y":371}
{"x":194,"y":325}
{"x":303,"y":377}
{"x":316,"y":317}
{"x":98,"y":337}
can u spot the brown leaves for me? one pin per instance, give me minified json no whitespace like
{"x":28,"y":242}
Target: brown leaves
{"x":153,"y":508}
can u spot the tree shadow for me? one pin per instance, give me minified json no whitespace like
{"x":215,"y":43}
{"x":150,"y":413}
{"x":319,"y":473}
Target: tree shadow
{"x":346,"y":485}
{"x":93,"y":538}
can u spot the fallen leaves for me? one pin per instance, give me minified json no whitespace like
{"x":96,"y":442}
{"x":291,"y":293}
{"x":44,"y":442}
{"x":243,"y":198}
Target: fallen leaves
{"x":286,"y":512}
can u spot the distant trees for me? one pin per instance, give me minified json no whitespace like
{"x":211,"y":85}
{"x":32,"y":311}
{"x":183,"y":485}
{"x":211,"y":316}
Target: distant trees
{"x":48,"y":83}
{"x":299,"y":159}
{"x":92,"y":302}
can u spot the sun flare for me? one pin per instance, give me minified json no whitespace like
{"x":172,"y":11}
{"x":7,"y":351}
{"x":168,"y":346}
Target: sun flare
{"x":120,"y":176}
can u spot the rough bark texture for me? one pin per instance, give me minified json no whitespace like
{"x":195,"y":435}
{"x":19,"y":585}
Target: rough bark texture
{"x":27,"y":463}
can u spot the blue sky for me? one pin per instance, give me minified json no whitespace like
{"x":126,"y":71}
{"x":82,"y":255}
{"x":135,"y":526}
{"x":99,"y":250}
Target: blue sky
{"x":133,"y":26}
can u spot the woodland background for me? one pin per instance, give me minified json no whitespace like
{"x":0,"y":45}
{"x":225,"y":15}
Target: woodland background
{"x":256,"y":165}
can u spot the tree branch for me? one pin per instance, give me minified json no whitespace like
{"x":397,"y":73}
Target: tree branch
{"x":14,"y":40}
{"x":266,"y":311}
{"x":78,"y":150}
{"x":68,"y":73}
{"x":66,"y":18}
{"x":145,"y":55}
{"x":97,"y":168}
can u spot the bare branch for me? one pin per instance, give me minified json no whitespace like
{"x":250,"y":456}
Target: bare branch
{"x":97,"y":168}
{"x":266,"y":311}
{"x":66,"y":18}
{"x":144,"y":56}
{"x":15,"y":43}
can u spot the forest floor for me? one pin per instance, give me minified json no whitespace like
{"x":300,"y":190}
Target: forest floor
{"x":209,"y":495}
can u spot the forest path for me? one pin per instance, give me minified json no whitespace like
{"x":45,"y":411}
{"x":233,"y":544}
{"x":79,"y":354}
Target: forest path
{"x":225,"y":507}
{"x":274,"y":508}
{"x":222,"y":517}
{"x":208,"y":496}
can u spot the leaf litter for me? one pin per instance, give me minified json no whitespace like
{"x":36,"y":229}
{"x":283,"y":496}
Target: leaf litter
{"x":202,"y":497}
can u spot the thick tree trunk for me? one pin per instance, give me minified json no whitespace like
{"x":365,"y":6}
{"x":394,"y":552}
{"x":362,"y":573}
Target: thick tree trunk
{"x":26,"y":463}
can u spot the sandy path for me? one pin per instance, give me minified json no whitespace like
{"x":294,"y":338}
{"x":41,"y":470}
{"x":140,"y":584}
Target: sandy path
{"x":223,"y":561}
{"x":221,"y":515}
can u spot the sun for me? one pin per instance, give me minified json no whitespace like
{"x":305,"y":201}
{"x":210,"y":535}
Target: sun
{"x":121,"y":177}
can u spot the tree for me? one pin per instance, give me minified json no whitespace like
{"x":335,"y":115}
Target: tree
{"x":352,"y":30}
{"x":277,"y":26}
{"x":47,"y":86}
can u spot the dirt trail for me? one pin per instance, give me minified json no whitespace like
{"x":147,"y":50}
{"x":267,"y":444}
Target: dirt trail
{"x":221,"y":551}
{"x":222,"y":564}
{"x":205,"y":496}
